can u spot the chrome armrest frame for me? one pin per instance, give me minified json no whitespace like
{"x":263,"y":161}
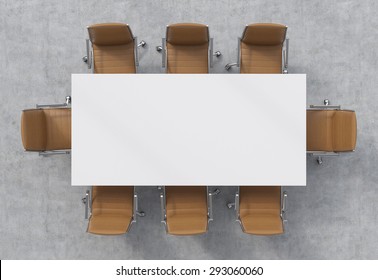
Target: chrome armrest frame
{"x":237,"y":203}
{"x":88,"y":59}
{"x":284,"y":206}
{"x":212,"y":53}
{"x":54,"y":152}
{"x":136,"y":211}
{"x":209,"y":205}
{"x":326,"y":105}
{"x":136,"y":49}
{"x":228,"y":66}
{"x":60,"y":105}
{"x":135,"y":207}
{"x":210,"y":196}
{"x":162,"y":49}
{"x":87,"y":200}
{"x":136,"y":54}
{"x":286,"y":57}
{"x":163,"y":207}
{"x":323,"y":153}
{"x":337,"y":107}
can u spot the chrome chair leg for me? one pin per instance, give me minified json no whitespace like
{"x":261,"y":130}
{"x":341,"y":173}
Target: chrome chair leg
{"x":142,"y":44}
{"x":319,"y":160}
{"x":140,"y":213}
{"x":216,"y":192}
{"x":229,"y":65}
{"x":230,"y":205}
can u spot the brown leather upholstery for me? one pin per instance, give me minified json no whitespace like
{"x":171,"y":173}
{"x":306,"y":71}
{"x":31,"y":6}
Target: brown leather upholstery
{"x":261,"y":48}
{"x":260,"y":210}
{"x":186,"y":209}
{"x":112,"y":210}
{"x":46,"y":129}
{"x":110,"y":34}
{"x":113,"y":48}
{"x":264,"y":34}
{"x":331,"y":130}
{"x":187,"y":48}
{"x":187,"y":34}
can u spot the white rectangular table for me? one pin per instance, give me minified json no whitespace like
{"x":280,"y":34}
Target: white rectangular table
{"x":217,"y":130}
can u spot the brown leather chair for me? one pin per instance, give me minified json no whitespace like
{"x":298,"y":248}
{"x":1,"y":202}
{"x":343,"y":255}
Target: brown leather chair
{"x":111,"y":210}
{"x":187,"y":49}
{"x":260,"y":210}
{"x":114,"y":49}
{"x":261,"y":49}
{"x":47,"y":129}
{"x":330,"y":130}
{"x":186,"y":210}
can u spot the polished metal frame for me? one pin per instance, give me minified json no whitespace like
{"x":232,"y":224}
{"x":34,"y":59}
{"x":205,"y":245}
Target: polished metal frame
{"x":163,"y":204}
{"x":66,"y":104}
{"x":320,"y":154}
{"x":163,"y":50}
{"x":87,"y":201}
{"x":236,"y":206}
{"x":285,"y":54}
{"x":89,"y":60}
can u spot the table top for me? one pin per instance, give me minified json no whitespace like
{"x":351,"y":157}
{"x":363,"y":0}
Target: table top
{"x":211,"y":129}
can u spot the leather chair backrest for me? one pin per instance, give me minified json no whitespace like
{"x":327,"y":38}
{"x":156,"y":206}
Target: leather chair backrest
{"x":260,"y":210}
{"x":187,"y":48}
{"x":112,"y":210}
{"x":33,"y":130}
{"x":46,"y":129}
{"x":110,"y":34}
{"x":261,"y":48}
{"x":344,"y":131}
{"x":186,"y":210}
{"x":331,"y":130}
{"x":113,"y":48}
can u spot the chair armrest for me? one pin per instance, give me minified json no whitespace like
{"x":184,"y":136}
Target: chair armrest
{"x":228,"y":66}
{"x":135,"y":206}
{"x":87,"y":200}
{"x":284,"y":206}
{"x":210,"y":206}
{"x":163,"y":210}
{"x":60,"y":105}
{"x":325,"y":107}
{"x":286,"y":57}
{"x":137,"y":45}
{"x":88,"y":58}
{"x":162,"y":49}
{"x":237,"y":201}
{"x":212,"y":53}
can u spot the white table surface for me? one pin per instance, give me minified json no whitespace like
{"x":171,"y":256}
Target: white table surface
{"x":217,"y":130}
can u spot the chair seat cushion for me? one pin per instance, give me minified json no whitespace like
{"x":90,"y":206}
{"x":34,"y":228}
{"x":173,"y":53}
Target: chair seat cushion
{"x":109,"y":224}
{"x":260,"y":209}
{"x":58,"y":127}
{"x":186,"y":210}
{"x":112,"y":210}
{"x":331,"y":130}
{"x":262,"y":223}
{"x":187,"y":222}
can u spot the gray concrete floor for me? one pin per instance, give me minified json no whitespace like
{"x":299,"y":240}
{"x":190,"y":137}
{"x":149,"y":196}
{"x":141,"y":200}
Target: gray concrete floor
{"x":333,"y":42}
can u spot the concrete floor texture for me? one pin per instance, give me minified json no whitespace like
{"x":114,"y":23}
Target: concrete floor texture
{"x":333,"y":217}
